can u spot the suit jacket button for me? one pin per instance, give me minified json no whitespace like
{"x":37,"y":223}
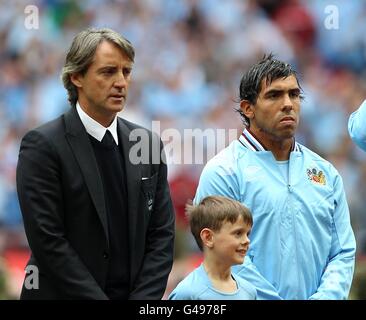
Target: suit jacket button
{"x":105,"y":255}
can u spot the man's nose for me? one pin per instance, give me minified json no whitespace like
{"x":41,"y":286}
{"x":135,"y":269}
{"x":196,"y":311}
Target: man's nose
{"x":120,"y":81}
{"x":287,"y":103}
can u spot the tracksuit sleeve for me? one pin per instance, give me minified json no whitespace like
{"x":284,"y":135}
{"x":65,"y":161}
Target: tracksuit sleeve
{"x":357,"y":126}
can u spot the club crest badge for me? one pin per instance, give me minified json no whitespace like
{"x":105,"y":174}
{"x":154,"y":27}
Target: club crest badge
{"x":316,"y":176}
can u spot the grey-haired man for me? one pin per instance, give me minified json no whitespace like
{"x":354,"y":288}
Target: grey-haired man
{"x":99,"y":225}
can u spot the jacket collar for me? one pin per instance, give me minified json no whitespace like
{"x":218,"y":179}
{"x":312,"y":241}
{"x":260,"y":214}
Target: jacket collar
{"x":80,"y":144}
{"x":82,"y":148}
{"x":250,"y":141}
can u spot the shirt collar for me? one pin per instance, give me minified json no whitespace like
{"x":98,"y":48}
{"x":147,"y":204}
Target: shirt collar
{"x":94,"y":128}
{"x":250,"y":141}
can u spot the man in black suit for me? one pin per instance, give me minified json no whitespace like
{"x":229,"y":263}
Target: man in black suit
{"x":100,"y":224}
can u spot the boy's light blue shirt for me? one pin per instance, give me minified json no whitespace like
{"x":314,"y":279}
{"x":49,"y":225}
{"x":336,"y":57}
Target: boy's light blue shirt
{"x":197,"y":286}
{"x":302,"y":244}
{"x":357,"y":126}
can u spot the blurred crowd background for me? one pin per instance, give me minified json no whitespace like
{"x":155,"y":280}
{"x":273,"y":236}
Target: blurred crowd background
{"x":190,"y":56}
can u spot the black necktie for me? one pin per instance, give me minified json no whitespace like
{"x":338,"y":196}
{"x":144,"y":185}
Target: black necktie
{"x":108,"y":140}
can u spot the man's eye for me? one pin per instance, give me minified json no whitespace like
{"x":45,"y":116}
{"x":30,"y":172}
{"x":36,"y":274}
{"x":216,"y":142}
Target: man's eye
{"x":273,"y":95}
{"x":127,"y":72}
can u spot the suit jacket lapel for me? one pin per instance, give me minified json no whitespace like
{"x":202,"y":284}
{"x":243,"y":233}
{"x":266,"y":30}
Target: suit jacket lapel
{"x":133,"y":181}
{"x":83,"y":150}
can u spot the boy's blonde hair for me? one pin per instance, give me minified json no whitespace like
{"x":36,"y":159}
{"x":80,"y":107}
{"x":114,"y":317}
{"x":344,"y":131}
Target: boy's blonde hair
{"x":212,"y":212}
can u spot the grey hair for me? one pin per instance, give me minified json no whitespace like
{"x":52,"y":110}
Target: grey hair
{"x":81,"y":53}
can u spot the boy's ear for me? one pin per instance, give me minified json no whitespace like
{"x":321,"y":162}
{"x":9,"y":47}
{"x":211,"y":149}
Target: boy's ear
{"x":247,"y":109}
{"x":207,"y":237}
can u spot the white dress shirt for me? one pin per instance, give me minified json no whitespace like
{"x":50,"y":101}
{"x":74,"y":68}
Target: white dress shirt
{"x":94,"y":128}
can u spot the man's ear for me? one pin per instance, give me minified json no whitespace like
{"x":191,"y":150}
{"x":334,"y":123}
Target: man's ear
{"x":76,"y":79}
{"x":206,"y":235}
{"x":247,"y":109}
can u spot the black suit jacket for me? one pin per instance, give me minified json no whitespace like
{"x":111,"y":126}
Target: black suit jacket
{"x":62,"y":202}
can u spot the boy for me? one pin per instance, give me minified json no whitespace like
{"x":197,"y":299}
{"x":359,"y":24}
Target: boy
{"x":221,"y":227}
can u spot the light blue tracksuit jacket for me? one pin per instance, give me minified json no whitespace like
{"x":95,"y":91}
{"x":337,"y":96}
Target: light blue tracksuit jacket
{"x":302,"y":244}
{"x":357,"y":126}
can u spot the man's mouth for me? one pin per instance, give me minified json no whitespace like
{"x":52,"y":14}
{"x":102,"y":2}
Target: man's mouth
{"x":117,"y":96}
{"x":288,"y":120}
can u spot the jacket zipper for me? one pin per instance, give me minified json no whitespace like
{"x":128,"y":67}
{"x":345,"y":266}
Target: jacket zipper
{"x":293,"y":223}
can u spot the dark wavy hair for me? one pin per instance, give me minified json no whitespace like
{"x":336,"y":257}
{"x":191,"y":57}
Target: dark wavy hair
{"x":251,"y":83}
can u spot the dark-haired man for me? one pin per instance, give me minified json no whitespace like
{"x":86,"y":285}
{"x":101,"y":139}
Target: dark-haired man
{"x":302,"y":243}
